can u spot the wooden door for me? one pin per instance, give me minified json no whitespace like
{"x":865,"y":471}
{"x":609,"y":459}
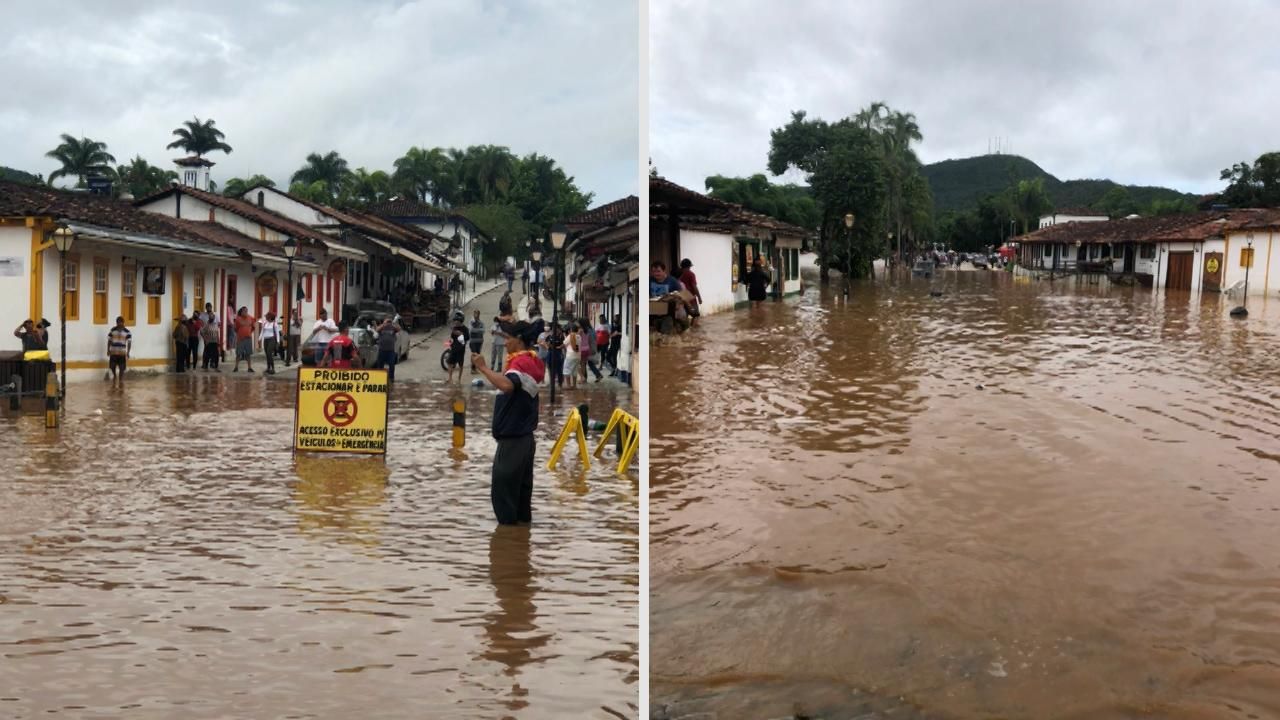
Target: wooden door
{"x":1129,"y":260}
{"x":1213,"y":271}
{"x":1180,"y":266}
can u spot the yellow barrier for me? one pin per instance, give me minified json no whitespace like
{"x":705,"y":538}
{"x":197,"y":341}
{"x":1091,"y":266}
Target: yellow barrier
{"x":571,"y":426}
{"x":629,"y":427}
{"x":51,"y":400}
{"x":459,"y":423}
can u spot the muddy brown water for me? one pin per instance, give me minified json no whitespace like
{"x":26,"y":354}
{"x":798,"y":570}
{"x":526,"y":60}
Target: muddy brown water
{"x":845,"y":525}
{"x":168,"y":557}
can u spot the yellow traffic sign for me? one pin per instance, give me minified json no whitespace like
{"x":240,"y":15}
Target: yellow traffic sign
{"x":341,"y":411}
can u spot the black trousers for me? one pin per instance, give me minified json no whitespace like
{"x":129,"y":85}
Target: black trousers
{"x":269,"y":347}
{"x":210,"y":356}
{"x":512,"y":487}
{"x":295,"y":342}
{"x":555,"y":364}
{"x":614,"y":347}
{"x":182,"y":352}
{"x":194,"y":344}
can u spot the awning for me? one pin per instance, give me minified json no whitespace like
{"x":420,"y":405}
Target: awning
{"x":339,"y":250}
{"x":182,"y":247}
{"x":418,"y":260}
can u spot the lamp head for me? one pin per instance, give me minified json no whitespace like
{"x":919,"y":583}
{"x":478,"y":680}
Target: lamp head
{"x":63,"y":238}
{"x":290,"y":247}
{"x":537,"y":255}
{"x":559,"y":233}
{"x":848,"y":220}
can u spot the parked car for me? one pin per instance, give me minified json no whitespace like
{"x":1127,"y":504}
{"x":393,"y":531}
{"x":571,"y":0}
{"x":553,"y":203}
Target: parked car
{"x":978,"y":261}
{"x":364,"y":332}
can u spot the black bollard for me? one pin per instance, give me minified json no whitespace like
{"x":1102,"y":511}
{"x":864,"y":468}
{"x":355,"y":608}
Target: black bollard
{"x":15,"y":400}
{"x":51,"y":401}
{"x":582,"y":415}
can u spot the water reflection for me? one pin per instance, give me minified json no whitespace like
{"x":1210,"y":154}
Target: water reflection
{"x":511,"y":631}
{"x":165,"y":555}
{"x":1010,"y":500}
{"x":338,"y":493}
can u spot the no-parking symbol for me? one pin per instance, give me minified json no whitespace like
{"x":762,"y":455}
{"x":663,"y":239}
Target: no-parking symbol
{"x":340,"y":409}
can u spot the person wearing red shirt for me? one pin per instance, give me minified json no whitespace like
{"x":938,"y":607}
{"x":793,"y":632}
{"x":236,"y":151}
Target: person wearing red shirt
{"x":690,"y":282}
{"x":341,"y":351}
{"x":193,"y":342}
{"x":244,"y":326}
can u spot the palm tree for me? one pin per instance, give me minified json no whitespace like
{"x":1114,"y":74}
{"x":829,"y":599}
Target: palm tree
{"x":239,"y":186}
{"x":199,"y":138}
{"x":329,"y":169}
{"x":491,"y":170}
{"x":413,"y":172}
{"x":366,"y":188}
{"x":141,"y":178}
{"x":80,"y":159}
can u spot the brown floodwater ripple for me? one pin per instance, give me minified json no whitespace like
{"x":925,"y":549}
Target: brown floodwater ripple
{"x":1015,"y":500}
{"x":164,"y":555}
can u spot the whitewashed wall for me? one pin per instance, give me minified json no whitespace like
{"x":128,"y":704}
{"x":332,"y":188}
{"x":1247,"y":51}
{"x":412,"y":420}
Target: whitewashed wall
{"x":1264,"y":277}
{"x":15,"y":243}
{"x":713,"y":256}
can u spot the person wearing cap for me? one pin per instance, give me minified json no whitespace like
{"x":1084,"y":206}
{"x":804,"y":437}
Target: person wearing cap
{"x":515,"y":418}
{"x":458,"y":338}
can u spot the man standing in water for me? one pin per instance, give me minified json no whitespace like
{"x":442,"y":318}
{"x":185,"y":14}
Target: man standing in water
{"x":757,"y":283}
{"x":119,"y":345}
{"x":515,"y":418}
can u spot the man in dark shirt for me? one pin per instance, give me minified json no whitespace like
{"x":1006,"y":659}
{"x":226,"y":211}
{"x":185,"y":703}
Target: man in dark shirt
{"x":515,"y":418}
{"x":387,"y":355}
{"x":32,"y":337}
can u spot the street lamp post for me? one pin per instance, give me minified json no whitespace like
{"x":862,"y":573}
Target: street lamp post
{"x":62,"y":240}
{"x":558,"y":235}
{"x":890,"y":249}
{"x":290,"y":249}
{"x":848,"y":250}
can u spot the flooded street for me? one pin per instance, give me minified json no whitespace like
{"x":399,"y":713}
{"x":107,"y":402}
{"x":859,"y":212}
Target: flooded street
{"x":164,"y":555}
{"x":1016,"y":500}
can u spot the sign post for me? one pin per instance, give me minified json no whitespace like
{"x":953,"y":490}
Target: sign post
{"x":341,"y":411}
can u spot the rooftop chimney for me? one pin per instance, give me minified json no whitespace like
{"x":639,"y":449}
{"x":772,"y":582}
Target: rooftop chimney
{"x":194,"y":172}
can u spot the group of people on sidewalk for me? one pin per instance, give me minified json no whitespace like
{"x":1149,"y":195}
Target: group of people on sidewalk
{"x":246,"y":333}
{"x":569,"y":351}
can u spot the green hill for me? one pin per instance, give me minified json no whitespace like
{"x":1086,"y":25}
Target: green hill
{"x":960,"y":184}
{"x":18,"y":176}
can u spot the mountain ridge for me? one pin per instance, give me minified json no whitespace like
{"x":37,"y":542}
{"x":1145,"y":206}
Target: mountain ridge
{"x":959,"y":184}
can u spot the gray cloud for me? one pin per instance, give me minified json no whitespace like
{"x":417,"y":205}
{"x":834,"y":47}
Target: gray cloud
{"x":289,"y":77}
{"x":1164,"y":93}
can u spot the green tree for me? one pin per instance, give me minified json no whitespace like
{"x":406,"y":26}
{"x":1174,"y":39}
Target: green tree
{"x":543,"y":193}
{"x":505,"y":224}
{"x":789,"y":203}
{"x":330,"y":170}
{"x":365,"y":188}
{"x":80,"y":158}
{"x":140,"y":178}
{"x":199,"y":138}
{"x":1177,"y":206}
{"x":426,"y":174}
{"x":237,"y":187}
{"x":1116,"y":202}
{"x":848,"y":168}
{"x":317,"y":191}
{"x":1030,"y":202}
{"x":1256,"y":185}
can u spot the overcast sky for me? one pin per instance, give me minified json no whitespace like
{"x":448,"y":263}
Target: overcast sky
{"x":366,"y":78}
{"x":1150,"y":93}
